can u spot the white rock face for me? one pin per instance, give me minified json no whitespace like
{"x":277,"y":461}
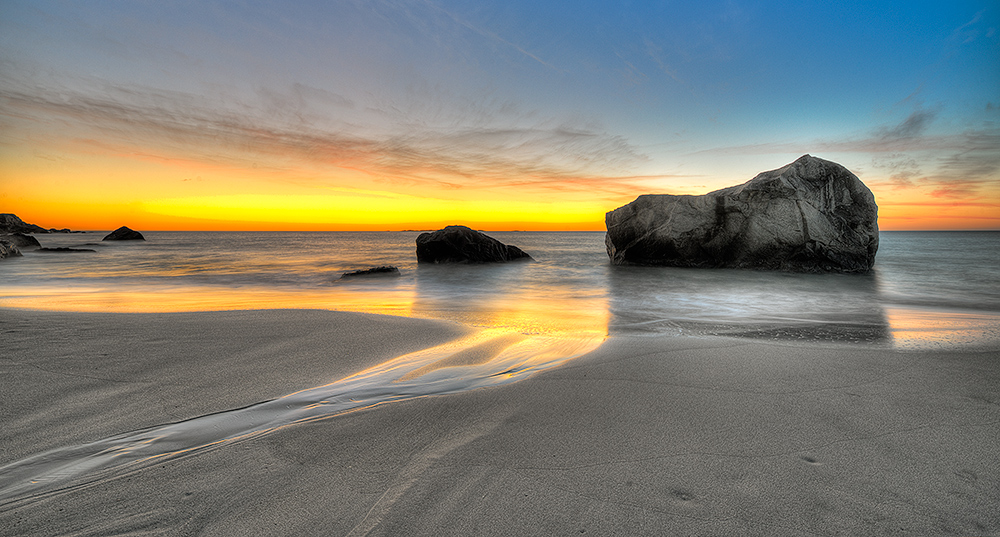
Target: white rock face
{"x":812,"y":215}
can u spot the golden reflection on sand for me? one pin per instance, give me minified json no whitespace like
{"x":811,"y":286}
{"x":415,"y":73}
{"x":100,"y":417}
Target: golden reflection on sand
{"x":517,"y":312}
{"x":914,"y":328}
{"x":191,"y":299}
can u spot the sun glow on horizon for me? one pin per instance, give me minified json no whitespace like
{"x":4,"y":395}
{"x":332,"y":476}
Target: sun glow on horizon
{"x":100,"y":189}
{"x":50,"y":200}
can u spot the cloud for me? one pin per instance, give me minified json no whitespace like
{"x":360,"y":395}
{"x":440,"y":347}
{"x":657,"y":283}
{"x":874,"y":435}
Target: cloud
{"x":295,"y":129}
{"x":966,"y":33}
{"x":913,"y":126}
{"x":491,"y":35}
{"x":901,"y":167}
{"x":956,"y":165}
{"x":966,"y":174}
{"x":440,"y":24}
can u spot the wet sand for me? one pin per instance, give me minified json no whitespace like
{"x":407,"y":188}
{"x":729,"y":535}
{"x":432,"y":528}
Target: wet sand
{"x":646,"y":435}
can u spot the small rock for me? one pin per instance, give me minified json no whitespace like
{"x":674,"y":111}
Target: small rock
{"x":21,"y":240}
{"x":386,"y":270}
{"x":7,"y":249}
{"x":64,"y":250}
{"x":124,"y":234}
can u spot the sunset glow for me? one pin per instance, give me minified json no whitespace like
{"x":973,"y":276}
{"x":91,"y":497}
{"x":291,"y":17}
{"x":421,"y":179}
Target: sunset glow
{"x":399,"y":115}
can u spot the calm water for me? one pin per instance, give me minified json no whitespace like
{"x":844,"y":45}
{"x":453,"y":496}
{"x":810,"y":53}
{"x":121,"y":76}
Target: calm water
{"x":928,"y":289}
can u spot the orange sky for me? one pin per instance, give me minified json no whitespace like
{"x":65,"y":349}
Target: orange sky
{"x":93,"y":187}
{"x":100,"y":191}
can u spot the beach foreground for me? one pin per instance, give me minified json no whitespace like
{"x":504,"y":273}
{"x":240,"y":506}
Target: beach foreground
{"x":646,"y":435}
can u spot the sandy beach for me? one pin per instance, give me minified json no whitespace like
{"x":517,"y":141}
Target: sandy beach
{"x":647,"y":435}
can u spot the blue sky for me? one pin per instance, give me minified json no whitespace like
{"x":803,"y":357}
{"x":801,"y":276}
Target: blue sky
{"x":613,"y":98}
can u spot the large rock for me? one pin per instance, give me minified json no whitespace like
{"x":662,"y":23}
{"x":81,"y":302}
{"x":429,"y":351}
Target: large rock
{"x":812,"y":215}
{"x":7,"y":249}
{"x":459,"y":244}
{"x":21,"y":240}
{"x":124,"y":234}
{"x":10,"y":223}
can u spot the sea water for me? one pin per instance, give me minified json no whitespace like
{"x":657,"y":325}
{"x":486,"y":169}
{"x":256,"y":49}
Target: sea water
{"x":927,"y":288}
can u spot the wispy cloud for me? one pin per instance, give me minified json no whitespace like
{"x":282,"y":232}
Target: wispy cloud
{"x":912,"y":127}
{"x":488,"y":34}
{"x":957,"y":165}
{"x":285,"y":131}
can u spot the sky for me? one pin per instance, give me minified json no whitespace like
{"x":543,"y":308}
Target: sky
{"x":414,"y":114}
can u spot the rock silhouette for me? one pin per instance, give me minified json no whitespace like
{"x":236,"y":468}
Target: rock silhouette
{"x":459,"y":244}
{"x":385,"y":270}
{"x":124,"y":234}
{"x":10,"y":223}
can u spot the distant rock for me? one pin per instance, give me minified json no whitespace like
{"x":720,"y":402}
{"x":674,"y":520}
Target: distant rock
{"x":7,"y":249}
{"x":459,"y":244}
{"x":64,"y":250}
{"x":812,"y":215}
{"x":10,"y":223}
{"x":385,"y":270}
{"x":21,"y":240}
{"x":124,"y":234}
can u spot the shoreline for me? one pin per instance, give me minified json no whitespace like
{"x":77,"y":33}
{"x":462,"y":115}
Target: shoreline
{"x":133,"y":370}
{"x":645,"y":434}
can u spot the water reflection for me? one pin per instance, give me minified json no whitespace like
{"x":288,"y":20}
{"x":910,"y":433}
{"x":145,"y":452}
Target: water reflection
{"x":570,"y":289}
{"x":510,"y":296}
{"x":914,"y":328}
{"x":773,"y":305}
{"x":389,"y":299}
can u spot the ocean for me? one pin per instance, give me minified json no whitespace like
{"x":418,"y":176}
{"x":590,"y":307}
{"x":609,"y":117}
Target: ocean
{"x":928,"y":289}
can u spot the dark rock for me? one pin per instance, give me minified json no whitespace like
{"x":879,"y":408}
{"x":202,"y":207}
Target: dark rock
{"x":812,"y":215}
{"x":10,"y":223}
{"x":7,"y":249}
{"x":386,"y":270}
{"x":63,"y":230}
{"x":124,"y":234}
{"x":64,"y":250}
{"x":21,"y":240}
{"x":459,"y":244}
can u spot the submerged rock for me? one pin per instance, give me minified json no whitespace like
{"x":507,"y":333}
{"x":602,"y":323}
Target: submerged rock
{"x":7,"y":249}
{"x":10,"y":223}
{"x":812,"y":215}
{"x":124,"y":234}
{"x":386,"y":270}
{"x":64,"y":250}
{"x":21,"y":240}
{"x":459,"y":244}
